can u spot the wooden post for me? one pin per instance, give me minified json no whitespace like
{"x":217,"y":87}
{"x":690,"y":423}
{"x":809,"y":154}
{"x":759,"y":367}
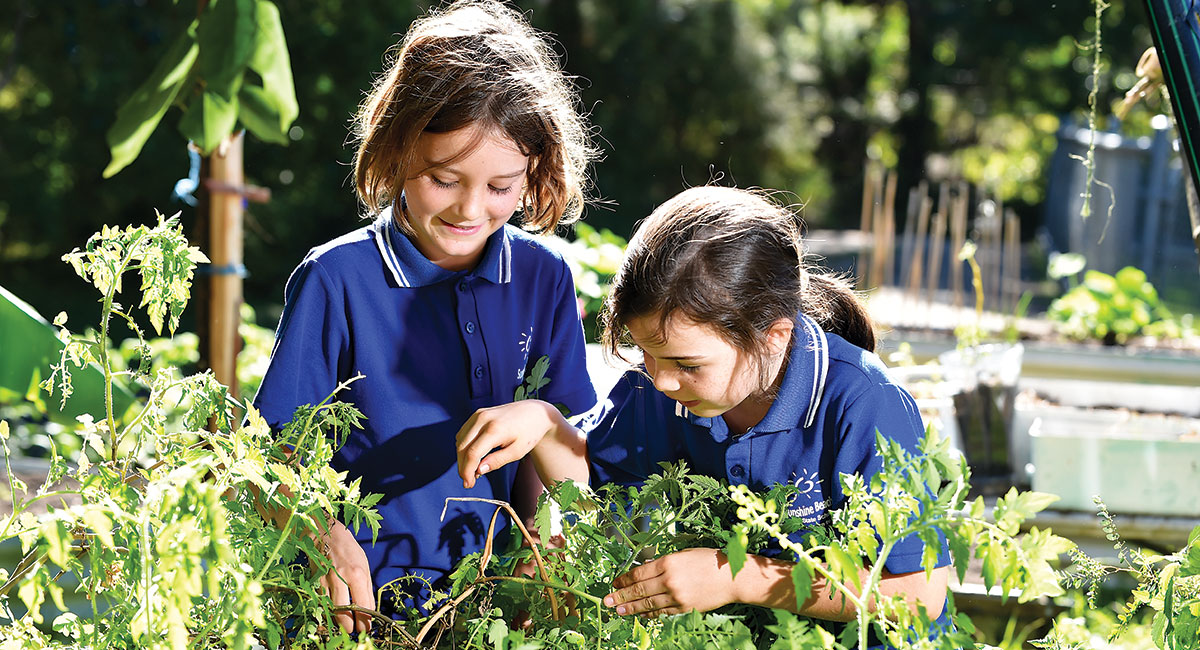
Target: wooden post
{"x":916,"y":269}
{"x":937,"y":243}
{"x":869,"y":199}
{"x":225,"y":184}
{"x":958,"y":236}
{"x":884,"y":227}
{"x":1012,"y":260}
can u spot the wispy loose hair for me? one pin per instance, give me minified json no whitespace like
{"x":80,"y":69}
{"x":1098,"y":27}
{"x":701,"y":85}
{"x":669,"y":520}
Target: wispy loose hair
{"x":476,"y":63}
{"x":730,"y":259}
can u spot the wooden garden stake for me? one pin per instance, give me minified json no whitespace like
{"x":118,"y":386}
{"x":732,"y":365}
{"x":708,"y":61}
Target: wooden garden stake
{"x":887,"y":232}
{"x":937,"y":242}
{"x":225,"y":252}
{"x":958,"y":236}
{"x":1012,"y":259}
{"x":869,"y":199}
{"x":916,"y":271}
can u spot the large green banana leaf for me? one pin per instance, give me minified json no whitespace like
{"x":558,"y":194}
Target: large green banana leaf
{"x":28,"y":346}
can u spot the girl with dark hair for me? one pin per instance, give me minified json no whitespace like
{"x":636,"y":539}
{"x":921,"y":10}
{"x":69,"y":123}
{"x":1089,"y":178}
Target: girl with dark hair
{"x":755,"y":370}
{"x":439,"y":303}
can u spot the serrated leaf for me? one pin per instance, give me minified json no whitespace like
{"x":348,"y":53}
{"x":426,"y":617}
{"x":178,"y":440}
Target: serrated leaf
{"x":802,"y":576}
{"x":543,"y":519}
{"x":140,"y":114}
{"x":960,"y":553}
{"x":735,"y":548}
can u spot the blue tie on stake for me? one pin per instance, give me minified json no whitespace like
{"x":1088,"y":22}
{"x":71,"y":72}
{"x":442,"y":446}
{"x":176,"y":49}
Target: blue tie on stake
{"x":1175,"y":26}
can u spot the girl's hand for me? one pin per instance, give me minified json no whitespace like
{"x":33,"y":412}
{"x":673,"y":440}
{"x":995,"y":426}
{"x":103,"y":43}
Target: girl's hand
{"x":349,"y":580}
{"x":698,"y":578}
{"x":496,"y":436}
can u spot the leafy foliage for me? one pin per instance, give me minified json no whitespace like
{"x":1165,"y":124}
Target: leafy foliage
{"x":163,"y":526}
{"x":1114,"y":308}
{"x":159,"y":522}
{"x":1168,"y":586}
{"x":607,"y":531}
{"x":205,"y":72}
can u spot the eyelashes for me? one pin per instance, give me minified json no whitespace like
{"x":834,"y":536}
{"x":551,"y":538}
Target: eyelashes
{"x":437,"y":182}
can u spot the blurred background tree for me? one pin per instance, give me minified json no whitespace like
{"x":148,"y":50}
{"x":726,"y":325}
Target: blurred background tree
{"x":787,"y":94}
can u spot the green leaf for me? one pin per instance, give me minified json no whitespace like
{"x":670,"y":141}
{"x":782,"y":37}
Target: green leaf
{"x":802,"y":576}
{"x":543,"y":519}
{"x":735,"y":549}
{"x":226,"y":34}
{"x":843,"y":566}
{"x":208,"y":120}
{"x":960,"y":552}
{"x":260,"y":116}
{"x":271,"y":61}
{"x":496,"y":633}
{"x":140,"y":114}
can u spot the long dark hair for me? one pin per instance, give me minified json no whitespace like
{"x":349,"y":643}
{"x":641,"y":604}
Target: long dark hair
{"x":476,"y":63}
{"x":731,"y":259}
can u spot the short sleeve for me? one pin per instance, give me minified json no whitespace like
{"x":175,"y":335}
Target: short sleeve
{"x":889,"y":409}
{"x":616,"y":451}
{"x":310,"y":343}
{"x":570,"y":385}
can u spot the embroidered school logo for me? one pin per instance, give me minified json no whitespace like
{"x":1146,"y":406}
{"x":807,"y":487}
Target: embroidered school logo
{"x":807,"y":503}
{"x":807,"y":481}
{"x":524,"y":342}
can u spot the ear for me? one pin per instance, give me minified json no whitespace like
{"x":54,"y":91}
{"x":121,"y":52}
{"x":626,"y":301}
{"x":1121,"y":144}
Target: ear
{"x":779,"y":334}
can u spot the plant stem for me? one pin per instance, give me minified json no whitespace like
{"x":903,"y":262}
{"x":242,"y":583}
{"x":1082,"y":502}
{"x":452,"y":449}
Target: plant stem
{"x":102,"y":344}
{"x":544,"y":583}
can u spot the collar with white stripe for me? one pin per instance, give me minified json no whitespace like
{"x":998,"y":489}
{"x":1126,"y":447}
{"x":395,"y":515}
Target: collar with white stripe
{"x":409,"y":268}
{"x":803,"y":383}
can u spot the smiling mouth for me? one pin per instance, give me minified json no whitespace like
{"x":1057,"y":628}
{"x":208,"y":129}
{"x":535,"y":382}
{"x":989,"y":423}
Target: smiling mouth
{"x":461,"y":230}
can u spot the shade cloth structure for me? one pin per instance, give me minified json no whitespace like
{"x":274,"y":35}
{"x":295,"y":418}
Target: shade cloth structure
{"x":1175,"y":28}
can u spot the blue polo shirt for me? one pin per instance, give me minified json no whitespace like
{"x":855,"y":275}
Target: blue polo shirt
{"x":833,"y":397}
{"x":434,"y":346}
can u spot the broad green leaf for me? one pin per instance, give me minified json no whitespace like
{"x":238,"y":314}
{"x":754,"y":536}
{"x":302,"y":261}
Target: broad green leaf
{"x":843,"y":566}
{"x":802,"y":577}
{"x":960,"y":552}
{"x":735,"y":549}
{"x":208,"y":120}
{"x":140,"y":114}
{"x":271,"y":61}
{"x":226,"y":35}
{"x":259,"y":115}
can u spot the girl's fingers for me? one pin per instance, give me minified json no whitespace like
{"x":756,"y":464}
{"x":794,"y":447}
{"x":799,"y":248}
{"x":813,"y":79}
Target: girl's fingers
{"x":362,"y":595}
{"x":339,"y":593}
{"x":640,"y":573}
{"x":642,"y":592}
{"x":652,"y":606}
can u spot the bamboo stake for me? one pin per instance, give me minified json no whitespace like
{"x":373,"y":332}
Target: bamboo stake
{"x":1012,"y":259}
{"x":917,"y":269}
{"x":937,"y":243}
{"x":997,"y":254}
{"x":875,"y":274}
{"x":889,"y":230}
{"x":865,"y":220}
{"x":958,"y":236}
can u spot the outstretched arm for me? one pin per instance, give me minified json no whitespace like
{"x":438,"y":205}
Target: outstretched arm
{"x":700,"y":579}
{"x":494,"y":437}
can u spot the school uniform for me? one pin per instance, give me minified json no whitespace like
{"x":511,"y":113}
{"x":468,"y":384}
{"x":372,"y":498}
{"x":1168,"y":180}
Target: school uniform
{"x":433,"y":346}
{"x":833,"y":397}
